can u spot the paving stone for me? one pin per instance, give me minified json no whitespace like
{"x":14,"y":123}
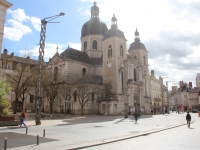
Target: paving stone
{"x":78,"y":131}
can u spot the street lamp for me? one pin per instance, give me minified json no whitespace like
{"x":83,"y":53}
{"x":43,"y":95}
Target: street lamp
{"x":167,"y":95}
{"x":41,"y":56}
{"x":162,"y":90}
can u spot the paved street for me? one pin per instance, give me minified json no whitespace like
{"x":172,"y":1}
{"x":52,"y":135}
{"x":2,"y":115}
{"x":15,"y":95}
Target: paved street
{"x":180,"y":138}
{"x":78,"y":132}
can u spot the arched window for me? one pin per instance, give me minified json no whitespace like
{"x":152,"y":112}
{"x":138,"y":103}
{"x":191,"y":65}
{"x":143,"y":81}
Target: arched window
{"x":109,"y":51}
{"x":84,"y":71}
{"x":134,"y":75}
{"x":121,"y":51}
{"x":144,"y":60}
{"x":85,"y":46}
{"x":92,"y":96}
{"x":94,"y":45}
{"x":75,"y":96}
{"x":55,"y":73}
{"x":122,"y":80}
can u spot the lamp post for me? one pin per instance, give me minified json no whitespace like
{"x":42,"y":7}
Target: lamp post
{"x":167,"y":95}
{"x":162,"y":90}
{"x":41,"y":56}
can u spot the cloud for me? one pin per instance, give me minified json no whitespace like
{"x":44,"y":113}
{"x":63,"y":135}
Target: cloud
{"x":74,"y":45}
{"x":36,"y":22}
{"x":17,"y":27}
{"x":50,"y":50}
{"x":19,"y":15}
{"x":16,"y":31}
{"x":169,"y":29}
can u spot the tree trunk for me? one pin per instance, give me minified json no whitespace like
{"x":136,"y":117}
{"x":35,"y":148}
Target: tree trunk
{"x":15,"y":106}
{"x":81,"y":110}
{"x":51,"y":108}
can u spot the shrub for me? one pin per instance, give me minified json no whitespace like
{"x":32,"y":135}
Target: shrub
{"x":4,"y":103}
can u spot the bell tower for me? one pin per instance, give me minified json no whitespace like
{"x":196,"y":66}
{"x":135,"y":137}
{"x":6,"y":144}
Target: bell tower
{"x":92,"y":34}
{"x":114,"y":53}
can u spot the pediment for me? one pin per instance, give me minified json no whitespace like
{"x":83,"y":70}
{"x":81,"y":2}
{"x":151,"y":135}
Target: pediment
{"x":56,"y":59}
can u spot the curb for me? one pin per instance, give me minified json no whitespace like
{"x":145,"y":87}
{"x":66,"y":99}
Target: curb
{"x":129,"y":137}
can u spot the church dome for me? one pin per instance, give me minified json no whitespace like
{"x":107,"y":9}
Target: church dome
{"x":137,"y":44}
{"x":94,"y":25}
{"x":114,"y":31}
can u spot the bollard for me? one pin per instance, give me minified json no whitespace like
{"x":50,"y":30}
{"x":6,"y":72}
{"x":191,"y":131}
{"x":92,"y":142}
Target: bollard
{"x":44,"y":133}
{"x":5,"y":143}
{"x":37,"y":139}
{"x":26,"y":130}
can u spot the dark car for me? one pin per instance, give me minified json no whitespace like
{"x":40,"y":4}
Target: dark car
{"x":194,"y":111}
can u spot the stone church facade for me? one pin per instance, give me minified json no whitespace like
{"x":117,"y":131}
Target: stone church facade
{"x":104,"y":54}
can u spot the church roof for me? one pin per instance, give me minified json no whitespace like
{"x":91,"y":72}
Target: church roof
{"x":97,"y":61}
{"x":80,"y":56}
{"x":114,"y":32}
{"x":76,"y":55}
{"x":93,"y":26}
{"x":137,"y":45}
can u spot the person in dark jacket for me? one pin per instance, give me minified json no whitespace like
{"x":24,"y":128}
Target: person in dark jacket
{"x":136,"y":115}
{"x":22,"y":117}
{"x":188,"y":118}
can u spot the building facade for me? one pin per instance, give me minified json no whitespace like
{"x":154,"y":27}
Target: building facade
{"x":104,"y":55}
{"x":4,"y":5}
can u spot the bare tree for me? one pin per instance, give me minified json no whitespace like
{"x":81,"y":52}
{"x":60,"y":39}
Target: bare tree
{"x":51,"y":85}
{"x":85,"y":89}
{"x":20,"y":79}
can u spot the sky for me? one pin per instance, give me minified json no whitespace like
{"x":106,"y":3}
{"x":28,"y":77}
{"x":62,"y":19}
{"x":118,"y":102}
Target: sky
{"x":169,"y":29}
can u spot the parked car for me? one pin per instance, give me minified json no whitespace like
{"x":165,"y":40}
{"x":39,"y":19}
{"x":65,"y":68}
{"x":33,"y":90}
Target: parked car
{"x":194,"y":111}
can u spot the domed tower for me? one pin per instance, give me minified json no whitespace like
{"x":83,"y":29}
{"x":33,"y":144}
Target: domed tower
{"x":138,"y":49}
{"x":92,"y":33}
{"x":114,"y":50}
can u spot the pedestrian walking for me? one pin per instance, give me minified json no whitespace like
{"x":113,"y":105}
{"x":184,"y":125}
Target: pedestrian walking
{"x":43,"y":115}
{"x":136,"y":115}
{"x":188,"y":118}
{"x":22,"y":117}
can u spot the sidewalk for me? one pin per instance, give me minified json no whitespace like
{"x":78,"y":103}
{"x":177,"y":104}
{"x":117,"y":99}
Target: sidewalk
{"x":79,"y":132}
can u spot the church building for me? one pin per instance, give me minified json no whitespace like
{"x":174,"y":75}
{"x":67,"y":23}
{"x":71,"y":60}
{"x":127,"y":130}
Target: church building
{"x":104,"y":53}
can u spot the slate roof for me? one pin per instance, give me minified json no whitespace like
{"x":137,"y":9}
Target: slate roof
{"x":97,"y":61}
{"x":80,"y":56}
{"x":137,"y":45}
{"x":114,"y":31}
{"x":93,"y":26}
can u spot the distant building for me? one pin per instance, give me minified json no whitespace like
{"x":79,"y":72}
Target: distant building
{"x":4,"y":5}
{"x":198,"y":80}
{"x":185,"y":97}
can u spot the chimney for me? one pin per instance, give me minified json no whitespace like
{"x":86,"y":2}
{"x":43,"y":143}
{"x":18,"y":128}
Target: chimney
{"x":180,"y":83}
{"x":174,"y":88}
{"x":152,"y":72}
{"x":12,"y":54}
{"x":190,"y":84}
{"x":5,"y":52}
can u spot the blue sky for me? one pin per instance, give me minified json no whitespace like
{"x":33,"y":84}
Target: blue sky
{"x":169,"y":29}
